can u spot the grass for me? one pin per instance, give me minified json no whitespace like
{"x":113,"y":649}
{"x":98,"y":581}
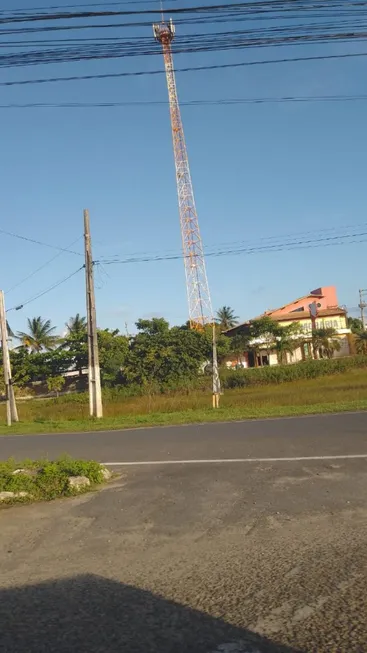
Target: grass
{"x":326,"y":394}
{"x":43,"y":480}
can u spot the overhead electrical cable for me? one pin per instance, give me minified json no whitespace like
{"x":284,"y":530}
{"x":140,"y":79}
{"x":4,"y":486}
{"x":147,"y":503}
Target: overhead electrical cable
{"x":47,"y":290}
{"x":73,"y":78}
{"x":38,"y":242}
{"x":277,"y":247}
{"x":41,"y":267}
{"x":191,"y":103}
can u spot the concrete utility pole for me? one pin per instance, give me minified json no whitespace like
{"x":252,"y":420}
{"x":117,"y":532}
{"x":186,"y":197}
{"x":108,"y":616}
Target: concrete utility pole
{"x":11,"y":407}
{"x":94,"y":377}
{"x":216,"y":379}
{"x":362,"y":306}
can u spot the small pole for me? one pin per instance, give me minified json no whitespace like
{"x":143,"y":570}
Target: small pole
{"x":362,"y":306}
{"x":94,"y":377}
{"x":216,"y":379}
{"x":11,"y":407}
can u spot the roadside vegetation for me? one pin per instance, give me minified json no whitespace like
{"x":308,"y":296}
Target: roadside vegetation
{"x":324,"y":394}
{"x":42,"y":480}
{"x":162,"y":375}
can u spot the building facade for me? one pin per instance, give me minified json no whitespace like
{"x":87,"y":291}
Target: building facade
{"x":318,"y":309}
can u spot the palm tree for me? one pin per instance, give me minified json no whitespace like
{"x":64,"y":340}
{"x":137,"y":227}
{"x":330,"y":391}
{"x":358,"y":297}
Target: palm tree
{"x":75,"y":342}
{"x":285,"y":345}
{"x":288,"y":339}
{"x":324,"y":342}
{"x":226,"y":318}
{"x":40,"y":335}
{"x":361,"y":343}
{"x":77,"y":325}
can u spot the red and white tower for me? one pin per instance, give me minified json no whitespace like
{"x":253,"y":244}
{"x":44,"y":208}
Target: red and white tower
{"x":198,"y":295}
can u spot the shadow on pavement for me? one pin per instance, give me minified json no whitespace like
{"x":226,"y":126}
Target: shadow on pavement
{"x":90,"y":614}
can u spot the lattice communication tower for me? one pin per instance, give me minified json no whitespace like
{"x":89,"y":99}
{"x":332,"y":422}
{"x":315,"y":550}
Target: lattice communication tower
{"x":198,"y":295}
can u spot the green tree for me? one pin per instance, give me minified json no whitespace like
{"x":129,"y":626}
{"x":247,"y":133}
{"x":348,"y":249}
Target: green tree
{"x":113,"y":349}
{"x":324,"y":342}
{"x":40,"y":335}
{"x":263,"y":332}
{"x":29,"y":367}
{"x":355,"y":324}
{"x":75,"y":342}
{"x":287,"y":340}
{"x":55,"y":384}
{"x":361,"y":343}
{"x":162,"y":357}
{"x":77,"y":325}
{"x":226,"y":318}
{"x":239,"y":344}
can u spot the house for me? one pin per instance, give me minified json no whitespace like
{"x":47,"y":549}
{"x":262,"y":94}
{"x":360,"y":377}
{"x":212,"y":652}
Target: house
{"x":319,"y":309}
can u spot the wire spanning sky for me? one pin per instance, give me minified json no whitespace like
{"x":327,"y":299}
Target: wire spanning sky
{"x":273,"y":96}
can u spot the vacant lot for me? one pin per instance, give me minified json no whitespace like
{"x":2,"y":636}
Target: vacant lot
{"x":341,"y":392}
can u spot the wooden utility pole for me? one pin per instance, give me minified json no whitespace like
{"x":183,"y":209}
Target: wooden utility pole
{"x":11,"y":407}
{"x":94,"y":377}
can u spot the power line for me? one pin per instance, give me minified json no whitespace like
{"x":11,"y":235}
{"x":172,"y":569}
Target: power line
{"x":191,"y":103}
{"x":44,"y":292}
{"x":249,"y":7}
{"x":277,"y":247}
{"x":74,"y":78}
{"x":32,"y":274}
{"x":280,"y":238}
{"x":39,"y":242}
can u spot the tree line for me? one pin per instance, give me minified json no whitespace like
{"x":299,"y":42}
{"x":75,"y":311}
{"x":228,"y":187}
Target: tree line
{"x":158,"y":356}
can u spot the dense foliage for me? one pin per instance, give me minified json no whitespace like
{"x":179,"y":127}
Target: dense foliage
{"x":157,"y":357}
{"x":160,"y":358}
{"x":310,"y":369}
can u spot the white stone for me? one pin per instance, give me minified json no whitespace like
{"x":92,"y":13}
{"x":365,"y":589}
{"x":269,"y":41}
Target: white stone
{"x":13,"y":495}
{"x":106,"y":473}
{"x":26,"y":472}
{"x":6,"y":495}
{"x":78,"y":482}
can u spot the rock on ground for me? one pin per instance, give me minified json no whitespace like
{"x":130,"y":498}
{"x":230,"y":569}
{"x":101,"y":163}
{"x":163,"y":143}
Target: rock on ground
{"x":78,"y":482}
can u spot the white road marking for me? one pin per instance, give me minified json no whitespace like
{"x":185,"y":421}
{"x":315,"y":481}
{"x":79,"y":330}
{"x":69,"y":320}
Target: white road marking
{"x":234,"y":460}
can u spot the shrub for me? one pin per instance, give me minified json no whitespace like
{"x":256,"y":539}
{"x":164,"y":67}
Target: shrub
{"x":310,"y":369}
{"x":46,"y":480}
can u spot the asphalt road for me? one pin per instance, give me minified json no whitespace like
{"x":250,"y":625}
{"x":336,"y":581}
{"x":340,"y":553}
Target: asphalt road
{"x":305,"y":436}
{"x":260,"y":557}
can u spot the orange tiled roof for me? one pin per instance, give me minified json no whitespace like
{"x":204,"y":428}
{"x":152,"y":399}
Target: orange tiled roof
{"x":299,"y":315}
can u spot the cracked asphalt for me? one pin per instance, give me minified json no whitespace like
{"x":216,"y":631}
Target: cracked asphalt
{"x":267,"y":557}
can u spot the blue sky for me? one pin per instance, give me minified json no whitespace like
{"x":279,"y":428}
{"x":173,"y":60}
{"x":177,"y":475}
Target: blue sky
{"x":257,"y":170}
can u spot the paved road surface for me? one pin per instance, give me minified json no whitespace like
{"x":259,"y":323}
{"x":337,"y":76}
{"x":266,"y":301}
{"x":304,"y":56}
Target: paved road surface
{"x":306,"y":436}
{"x":262,"y":557}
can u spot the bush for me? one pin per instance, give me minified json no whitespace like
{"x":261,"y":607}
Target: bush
{"x":46,"y":480}
{"x":310,"y":369}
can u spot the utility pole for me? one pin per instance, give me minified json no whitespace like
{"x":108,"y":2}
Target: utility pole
{"x":94,"y":377}
{"x":11,"y":407}
{"x":216,"y":379}
{"x":362,"y":306}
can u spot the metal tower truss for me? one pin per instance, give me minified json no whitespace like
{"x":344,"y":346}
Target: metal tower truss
{"x":200,"y":307}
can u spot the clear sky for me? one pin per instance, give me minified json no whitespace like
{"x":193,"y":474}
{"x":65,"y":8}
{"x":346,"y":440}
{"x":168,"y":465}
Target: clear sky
{"x":258,"y":171}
